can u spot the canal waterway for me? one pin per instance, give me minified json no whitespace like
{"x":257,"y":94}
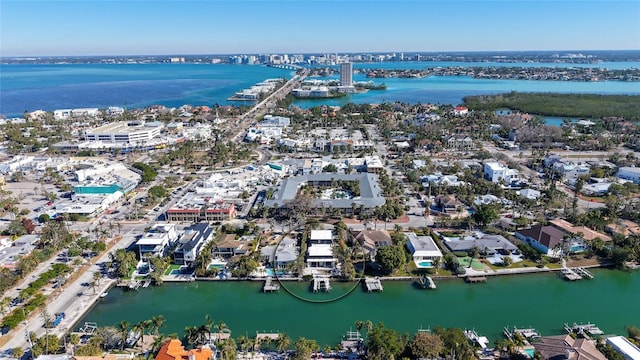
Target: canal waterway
{"x":543,"y":301}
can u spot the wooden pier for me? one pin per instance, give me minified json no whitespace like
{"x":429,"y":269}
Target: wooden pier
{"x":321,"y":283}
{"x":373,"y":284}
{"x":570,"y":275}
{"x":270,"y":286}
{"x":476,"y":279}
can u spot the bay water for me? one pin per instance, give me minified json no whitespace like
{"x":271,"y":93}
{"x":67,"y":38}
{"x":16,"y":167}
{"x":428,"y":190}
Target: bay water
{"x":29,"y":87}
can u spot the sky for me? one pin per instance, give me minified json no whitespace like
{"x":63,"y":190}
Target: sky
{"x":166,"y":27}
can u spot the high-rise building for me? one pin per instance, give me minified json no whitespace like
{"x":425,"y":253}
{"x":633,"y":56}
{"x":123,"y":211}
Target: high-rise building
{"x":346,"y":71}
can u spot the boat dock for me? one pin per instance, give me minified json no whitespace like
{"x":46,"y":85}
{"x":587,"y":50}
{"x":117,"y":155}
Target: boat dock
{"x":426,"y":282}
{"x":527,"y":333}
{"x":473,"y":336}
{"x":321,"y":283}
{"x":570,"y":275}
{"x":270,"y":286}
{"x":270,"y":336}
{"x":476,"y":279}
{"x":352,"y":341}
{"x":585,"y":330}
{"x":373,"y":284}
{"x":583,"y":272}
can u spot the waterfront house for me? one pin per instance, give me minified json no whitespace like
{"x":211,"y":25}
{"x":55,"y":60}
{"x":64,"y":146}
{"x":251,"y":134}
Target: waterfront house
{"x":371,"y":240}
{"x":227,"y":246}
{"x":157,"y":241}
{"x":543,"y":238}
{"x":320,"y":250}
{"x":580,"y":234}
{"x":281,"y":255}
{"x":191,"y":242}
{"x":487,"y":245}
{"x":172,"y":349}
{"x":566,"y":347}
{"x":423,"y":250}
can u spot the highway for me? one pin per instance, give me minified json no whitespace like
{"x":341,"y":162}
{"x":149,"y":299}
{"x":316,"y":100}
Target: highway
{"x":264,"y":106}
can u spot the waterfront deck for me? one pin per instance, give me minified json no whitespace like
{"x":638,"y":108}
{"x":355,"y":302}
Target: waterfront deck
{"x":321,"y":283}
{"x":569,"y":274}
{"x":373,"y":284}
{"x":476,"y":279}
{"x":270,"y":286}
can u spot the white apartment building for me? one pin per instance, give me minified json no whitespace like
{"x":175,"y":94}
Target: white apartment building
{"x":496,"y":172}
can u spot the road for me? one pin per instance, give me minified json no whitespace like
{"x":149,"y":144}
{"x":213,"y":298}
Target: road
{"x":74,"y":299}
{"x":265,"y":105}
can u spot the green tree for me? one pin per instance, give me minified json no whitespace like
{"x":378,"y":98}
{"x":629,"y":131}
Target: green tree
{"x":391,"y":258}
{"x":485,"y":214}
{"x":304,"y":349}
{"x":157,"y":192}
{"x":426,"y":345}
{"x":384,"y":343}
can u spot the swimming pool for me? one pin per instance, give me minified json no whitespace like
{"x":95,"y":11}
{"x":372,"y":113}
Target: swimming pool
{"x":270,"y":272}
{"x":425,"y":263}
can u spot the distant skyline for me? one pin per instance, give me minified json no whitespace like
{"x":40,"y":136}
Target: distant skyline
{"x":167,"y":27}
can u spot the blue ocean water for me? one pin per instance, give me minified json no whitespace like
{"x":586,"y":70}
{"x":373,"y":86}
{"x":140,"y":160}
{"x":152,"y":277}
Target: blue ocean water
{"x":53,"y":86}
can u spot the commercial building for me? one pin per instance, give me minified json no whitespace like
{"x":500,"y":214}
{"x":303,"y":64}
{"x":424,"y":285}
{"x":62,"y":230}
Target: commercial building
{"x":370,"y":193}
{"x":195,"y":208}
{"x":133,"y":132}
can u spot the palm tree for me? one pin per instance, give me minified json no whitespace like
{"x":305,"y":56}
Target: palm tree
{"x":283,"y":342}
{"x":221,"y":327}
{"x":157,"y":322}
{"x":191,"y":334}
{"x":123,"y":328}
{"x":244,"y":343}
